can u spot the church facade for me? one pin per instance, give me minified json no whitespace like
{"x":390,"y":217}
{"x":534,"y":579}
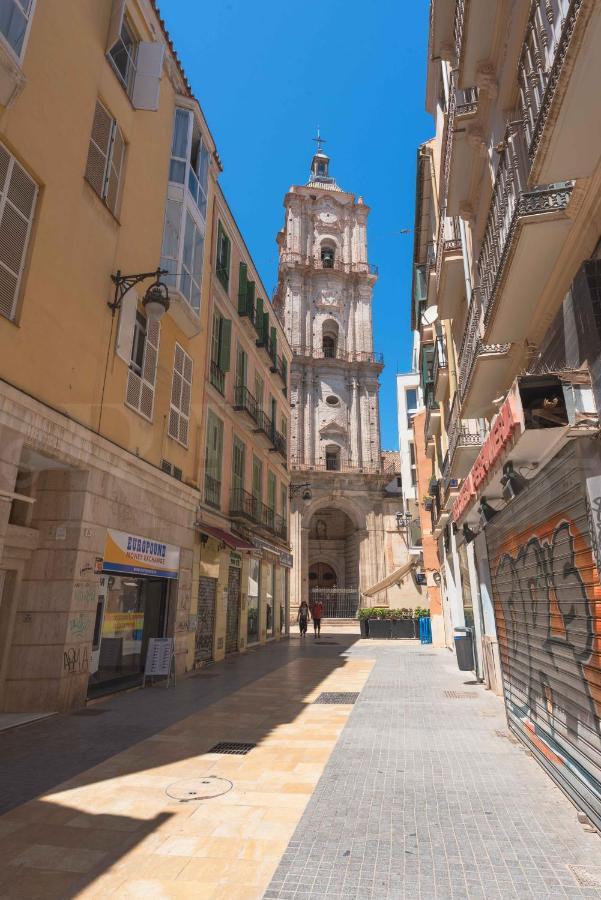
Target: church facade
{"x":348,"y":545}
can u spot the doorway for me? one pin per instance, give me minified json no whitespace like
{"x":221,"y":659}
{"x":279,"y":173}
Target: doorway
{"x":232,"y":626}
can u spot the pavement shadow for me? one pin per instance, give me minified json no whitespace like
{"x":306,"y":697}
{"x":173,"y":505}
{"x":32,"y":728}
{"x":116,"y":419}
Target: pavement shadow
{"x":35,"y":759}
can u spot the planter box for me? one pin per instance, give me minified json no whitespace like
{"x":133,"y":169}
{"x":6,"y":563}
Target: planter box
{"x":364,"y":626}
{"x":403,"y":628}
{"x":379,"y":628}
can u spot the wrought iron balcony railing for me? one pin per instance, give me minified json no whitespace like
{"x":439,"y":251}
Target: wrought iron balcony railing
{"x":217,"y":377}
{"x":550,"y":28}
{"x":449,"y":240}
{"x":356,"y":356}
{"x":246,"y":506}
{"x":343,"y":466}
{"x":212,"y":491}
{"x":440,"y":359}
{"x":292,"y":258}
{"x":244,"y":400}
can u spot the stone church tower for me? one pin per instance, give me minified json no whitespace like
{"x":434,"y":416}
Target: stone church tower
{"x":344,"y":533}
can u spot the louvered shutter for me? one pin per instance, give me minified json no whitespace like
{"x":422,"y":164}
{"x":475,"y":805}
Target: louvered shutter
{"x":273,"y":343}
{"x":243,"y":290}
{"x":259,"y":315}
{"x":115,"y":24}
{"x":18,"y":193}
{"x":265,"y":329}
{"x":99,"y":149}
{"x":225,"y":344}
{"x":149,"y":369}
{"x":115,"y":166}
{"x":147,"y":83}
{"x":250,"y":300}
{"x":181,"y":393}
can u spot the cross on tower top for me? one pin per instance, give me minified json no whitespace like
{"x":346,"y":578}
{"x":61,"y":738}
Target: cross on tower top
{"x":319,"y":140}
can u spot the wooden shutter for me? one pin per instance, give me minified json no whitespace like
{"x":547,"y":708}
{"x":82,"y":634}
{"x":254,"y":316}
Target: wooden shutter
{"x":181,"y":393}
{"x":265,"y":329}
{"x":127,"y":325}
{"x":115,"y":167}
{"x":149,"y":68}
{"x":225,"y":340}
{"x":140,"y":391}
{"x":99,"y":149}
{"x":243,"y":290}
{"x":18,"y":193}
{"x":115,"y":24}
{"x":250,"y":300}
{"x":285,"y":373}
{"x":259,"y":315}
{"x":273,"y":342}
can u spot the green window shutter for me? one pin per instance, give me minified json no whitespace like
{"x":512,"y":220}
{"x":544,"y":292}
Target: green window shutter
{"x":259,"y":315}
{"x":285,"y":374}
{"x":265,"y":331}
{"x":243,"y":290}
{"x":250,"y":300}
{"x":273,"y":342}
{"x":224,"y":345}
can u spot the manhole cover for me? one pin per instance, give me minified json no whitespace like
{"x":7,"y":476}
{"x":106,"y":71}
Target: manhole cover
{"x":89,"y":711}
{"x":460,"y":695}
{"x":206,"y":788}
{"x":587,"y":876}
{"x":337,"y":697}
{"x":232,"y":748}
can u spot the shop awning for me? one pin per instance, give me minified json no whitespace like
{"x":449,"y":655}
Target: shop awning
{"x":226,"y":537}
{"x":387,"y":582}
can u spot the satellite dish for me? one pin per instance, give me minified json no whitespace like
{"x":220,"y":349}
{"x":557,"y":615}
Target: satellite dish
{"x":430,"y":315}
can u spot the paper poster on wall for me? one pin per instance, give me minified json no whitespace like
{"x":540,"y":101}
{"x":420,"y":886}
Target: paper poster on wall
{"x":131,"y":554}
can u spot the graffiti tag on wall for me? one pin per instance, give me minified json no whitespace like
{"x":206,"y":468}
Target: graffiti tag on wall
{"x":547,"y":586}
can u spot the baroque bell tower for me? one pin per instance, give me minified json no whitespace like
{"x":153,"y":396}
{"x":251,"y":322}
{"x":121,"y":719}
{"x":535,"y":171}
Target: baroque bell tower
{"x":341,"y":509}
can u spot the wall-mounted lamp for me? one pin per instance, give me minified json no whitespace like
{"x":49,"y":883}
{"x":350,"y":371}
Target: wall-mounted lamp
{"x":403,"y":520}
{"x":436,"y":578}
{"x":513,"y":483}
{"x":487,"y":512}
{"x":156,"y":299}
{"x":468,"y":534}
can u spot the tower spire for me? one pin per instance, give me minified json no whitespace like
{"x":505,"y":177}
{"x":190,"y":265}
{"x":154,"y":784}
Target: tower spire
{"x":320,"y":164}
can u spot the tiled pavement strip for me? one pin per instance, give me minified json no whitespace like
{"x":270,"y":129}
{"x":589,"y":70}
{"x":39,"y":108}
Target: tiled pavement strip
{"x":421,"y":797}
{"x":428,"y":796}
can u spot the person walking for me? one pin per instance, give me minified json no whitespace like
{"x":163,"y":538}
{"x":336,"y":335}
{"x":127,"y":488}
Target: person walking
{"x":303,"y":618}
{"x":317,"y":617}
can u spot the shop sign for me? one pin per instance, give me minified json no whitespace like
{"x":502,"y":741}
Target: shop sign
{"x":500,"y":436}
{"x":284,"y":558}
{"x":131,"y":554}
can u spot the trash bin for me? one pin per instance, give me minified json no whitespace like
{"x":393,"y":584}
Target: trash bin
{"x":464,"y":648}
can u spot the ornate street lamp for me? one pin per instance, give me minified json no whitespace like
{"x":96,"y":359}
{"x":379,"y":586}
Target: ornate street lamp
{"x":303,"y":489}
{"x":156,"y":298}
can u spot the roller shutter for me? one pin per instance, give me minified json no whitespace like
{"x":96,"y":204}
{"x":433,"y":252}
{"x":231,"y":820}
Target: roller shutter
{"x":543,"y":550}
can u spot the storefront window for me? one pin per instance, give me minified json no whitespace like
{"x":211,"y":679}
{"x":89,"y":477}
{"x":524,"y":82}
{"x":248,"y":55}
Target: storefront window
{"x":130,"y":611}
{"x":283,"y":600}
{"x":269,"y":597}
{"x":252,"y":631}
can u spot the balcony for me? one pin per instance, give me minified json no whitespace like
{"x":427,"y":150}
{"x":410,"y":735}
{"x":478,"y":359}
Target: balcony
{"x":559,"y":75}
{"x":440,"y":373}
{"x":217,"y":377}
{"x":280,"y":444}
{"x":264,"y":428}
{"x":524,"y":234}
{"x":212,"y":492}
{"x":244,"y":402}
{"x":432,"y":420}
{"x":449,"y":268}
{"x":492,"y":362}
{"x":342,"y":466}
{"x":248,"y":508}
{"x":364,"y":357}
{"x":462,"y":141}
{"x":466,"y":436}
{"x":473,"y":33}
{"x":291,"y":259}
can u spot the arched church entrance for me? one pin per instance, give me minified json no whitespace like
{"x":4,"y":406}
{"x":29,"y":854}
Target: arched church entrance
{"x":334,"y":563}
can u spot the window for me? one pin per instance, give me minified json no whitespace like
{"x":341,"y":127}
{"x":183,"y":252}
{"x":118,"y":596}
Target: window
{"x":257,"y":478}
{"x":213,"y":457}
{"x":106,"y":153}
{"x":411,"y":398}
{"x":220,"y":350}
{"x":123,"y":55}
{"x":241,"y":367}
{"x":259,"y":390}
{"x":271,"y":491}
{"x":141,"y":377}
{"x":284,"y":503}
{"x":333,"y":459}
{"x":18,"y":193}
{"x":327,"y":257}
{"x":15,"y":18}
{"x":331,"y":400}
{"x":222,"y":266}
{"x":238,"y":466}
{"x":329,"y":339}
{"x":181,"y":394}
{"x":190,"y":158}
{"x":284,"y":426}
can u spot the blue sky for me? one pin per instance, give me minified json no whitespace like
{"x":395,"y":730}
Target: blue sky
{"x":266,"y":73}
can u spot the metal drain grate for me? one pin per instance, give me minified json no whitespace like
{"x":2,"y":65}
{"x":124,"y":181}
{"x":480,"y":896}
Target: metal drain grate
{"x":89,"y":711}
{"x":232,"y":748}
{"x":337,"y":697}
{"x":460,"y":695}
{"x":587,"y":876}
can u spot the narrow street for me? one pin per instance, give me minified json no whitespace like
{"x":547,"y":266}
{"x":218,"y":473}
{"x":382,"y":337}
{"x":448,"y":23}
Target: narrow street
{"x":416,"y":790}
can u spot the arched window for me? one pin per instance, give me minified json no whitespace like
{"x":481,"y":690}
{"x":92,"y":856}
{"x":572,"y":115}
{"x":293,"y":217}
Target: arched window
{"x":333,"y":458}
{"x":327,"y":257}
{"x":329,"y":339}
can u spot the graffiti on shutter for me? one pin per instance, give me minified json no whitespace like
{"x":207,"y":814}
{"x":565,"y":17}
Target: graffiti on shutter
{"x":547,"y":601}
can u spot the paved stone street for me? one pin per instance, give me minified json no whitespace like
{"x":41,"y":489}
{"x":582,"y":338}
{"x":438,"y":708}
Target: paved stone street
{"x":415,"y":791}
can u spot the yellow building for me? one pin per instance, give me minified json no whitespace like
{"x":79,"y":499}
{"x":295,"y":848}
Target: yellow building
{"x":243,"y":561}
{"x":107,"y":168}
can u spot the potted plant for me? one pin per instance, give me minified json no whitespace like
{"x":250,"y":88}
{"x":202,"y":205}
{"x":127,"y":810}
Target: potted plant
{"x":364,"y":616}
{"x":379,"y":623}
{"x":403,"y":624}
{"x":428,"y":502}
